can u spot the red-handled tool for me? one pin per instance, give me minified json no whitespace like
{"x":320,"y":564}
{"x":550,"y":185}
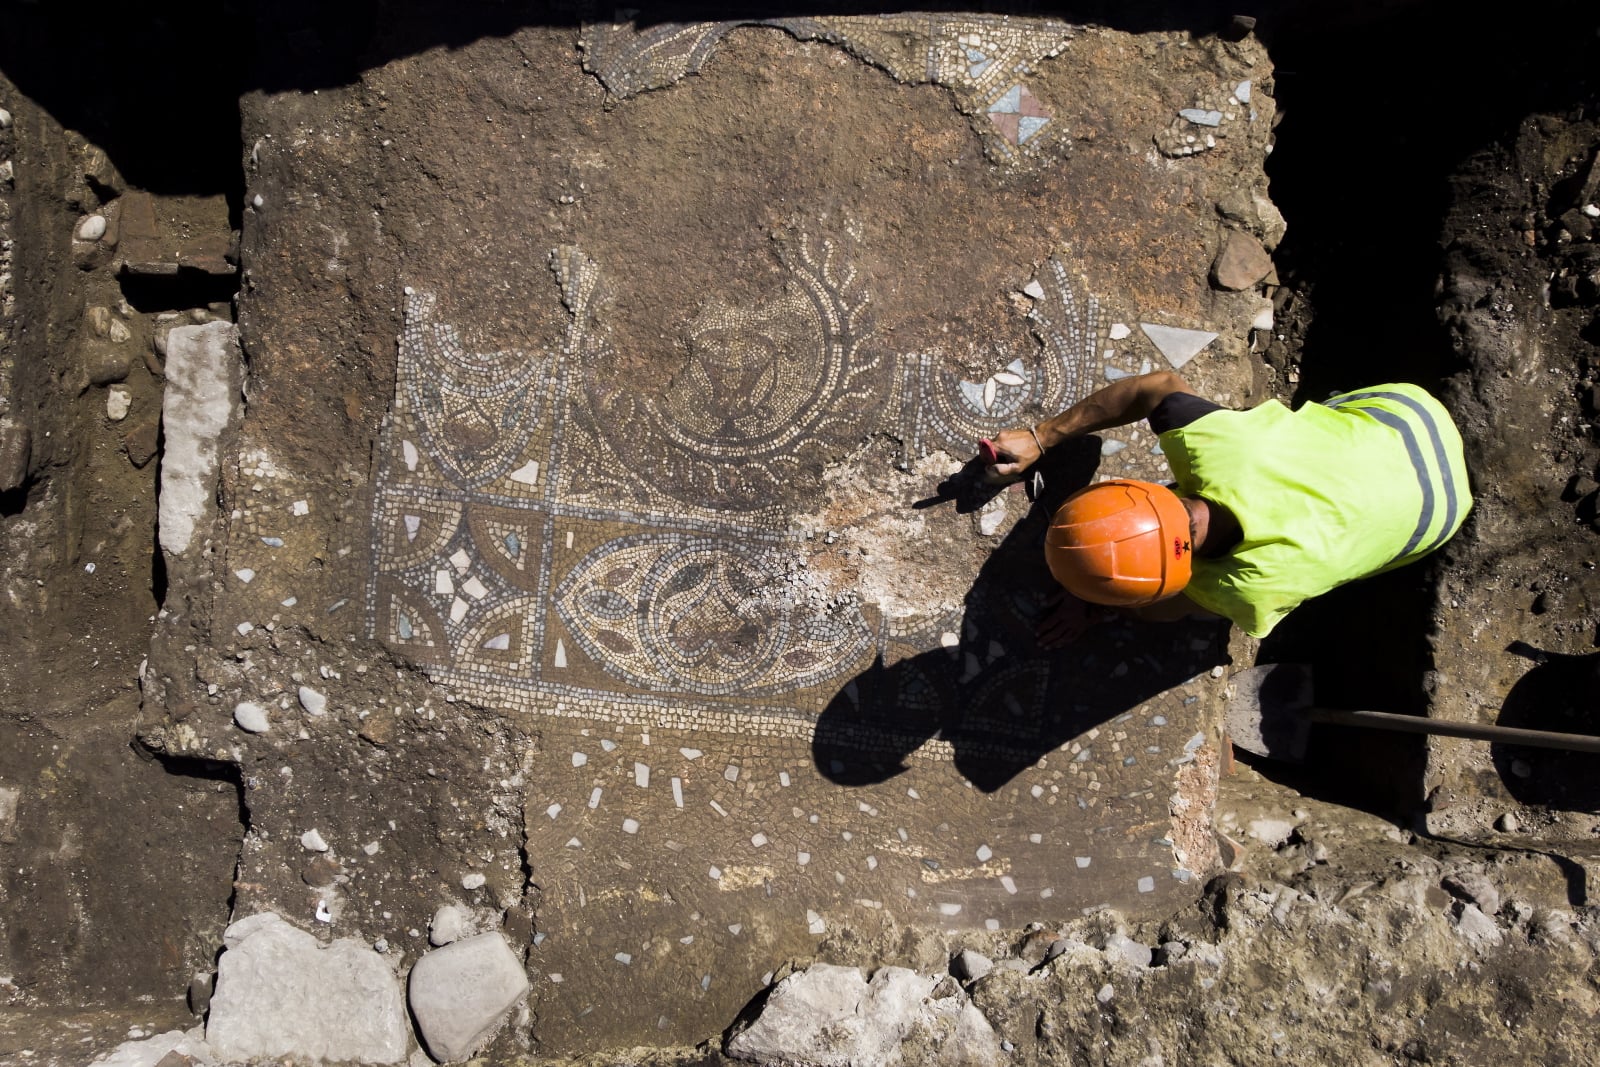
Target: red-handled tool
{"x":988,"y":453}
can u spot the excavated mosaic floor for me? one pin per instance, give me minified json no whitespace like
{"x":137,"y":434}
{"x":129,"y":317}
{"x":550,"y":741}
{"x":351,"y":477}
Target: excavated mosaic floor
{"x":688,"y":345}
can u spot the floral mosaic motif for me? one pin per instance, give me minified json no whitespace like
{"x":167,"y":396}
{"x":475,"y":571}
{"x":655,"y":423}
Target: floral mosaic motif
{"x":694,"y":614}
{"x":769,"y":390}
{"x":474,"y":410}
{"x":979,"y":58}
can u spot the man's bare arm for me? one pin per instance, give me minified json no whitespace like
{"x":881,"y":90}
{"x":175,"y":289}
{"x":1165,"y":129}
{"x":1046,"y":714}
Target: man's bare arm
{"x":1118,"y":404}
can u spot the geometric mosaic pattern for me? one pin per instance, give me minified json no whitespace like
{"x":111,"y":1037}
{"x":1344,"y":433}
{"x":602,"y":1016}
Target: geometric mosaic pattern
{"x":982,"y":59}
{"x":542,"y":535}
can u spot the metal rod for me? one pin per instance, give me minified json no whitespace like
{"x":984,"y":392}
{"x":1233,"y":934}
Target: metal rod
{"x":1415,"y":724}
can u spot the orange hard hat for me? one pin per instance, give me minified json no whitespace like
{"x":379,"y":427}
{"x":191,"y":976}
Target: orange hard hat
{"x":1121,"y":543}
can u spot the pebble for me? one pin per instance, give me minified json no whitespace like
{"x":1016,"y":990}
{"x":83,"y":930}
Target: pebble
{"x":1474,"y":887}
{"x":473,"y":881}
{"x":1119,"y":946}
{"x":1105,"y":994}
{"x":1241,"y":262}
{"x":1592,"y":210}
{"x":201,"y":987}
{"x":314,"y":702}
{"x":1271,"y":832}
{"x":312,"y":841}
{"x":969,"y":966}
{"x":90,"y":228}
{"x":450,"y":923}
{"x":5,"y":119}
{"x":118,"y":401}
{"x":251,"y":717}
{"x":1477,"y":927}
{"x":320,"y":871}
{"x":1508,"y":823}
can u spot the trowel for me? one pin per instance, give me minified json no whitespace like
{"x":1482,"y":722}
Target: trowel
{"x":1270,"y":714}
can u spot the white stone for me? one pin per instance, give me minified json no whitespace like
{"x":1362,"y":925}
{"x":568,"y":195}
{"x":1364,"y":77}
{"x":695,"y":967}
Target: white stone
{"x":473,"y":881}
{"x":118,"y":401}
{"x":1241,"y":92}
{"x":450,"y":923}
{"x":1263,"y":319}
{"x":1592,"y":210}
{"x":1034,"y":289}
{"x":461,"y":994}
{"x":1178,"y":345}
{"x":149,"y":1051}
{"x":90,"y":228}
{"x":5,"y":119}
{"x":9,"y":796}
{"x":312,"y":841}
{"x":1123,"y":949}
{"x":251,"y":717}
{"x":314,"y":702}
{"x":831,"y":1016}
{"x":281,"y":995}
{"x":1477,"y":927}
{"x":203,"y":371}
{"x":1270,"y":832}
{"x":969,"y":966}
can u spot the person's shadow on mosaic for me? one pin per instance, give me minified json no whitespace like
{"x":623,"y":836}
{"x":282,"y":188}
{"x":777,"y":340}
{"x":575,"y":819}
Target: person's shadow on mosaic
{"x":997,"y":698}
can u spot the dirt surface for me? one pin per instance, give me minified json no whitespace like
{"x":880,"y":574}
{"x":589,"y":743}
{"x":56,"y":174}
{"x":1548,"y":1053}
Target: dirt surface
{"x":662,"y":239}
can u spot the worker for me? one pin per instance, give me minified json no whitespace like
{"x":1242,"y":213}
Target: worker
{"x":1270,"y":508}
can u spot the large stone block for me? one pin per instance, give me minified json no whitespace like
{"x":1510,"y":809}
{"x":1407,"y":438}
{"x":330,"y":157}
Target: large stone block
{"x":203,"y":378}
{"x":832,"y":1016}
{"x":461,"y":993}
{"x":280,"y":993}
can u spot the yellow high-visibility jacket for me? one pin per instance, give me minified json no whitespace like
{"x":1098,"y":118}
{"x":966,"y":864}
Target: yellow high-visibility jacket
{"x":1361,"y":483}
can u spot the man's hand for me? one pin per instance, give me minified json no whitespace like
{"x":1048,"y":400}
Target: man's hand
{"x":1018,"y":452}
{"x":1122,"y":402}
